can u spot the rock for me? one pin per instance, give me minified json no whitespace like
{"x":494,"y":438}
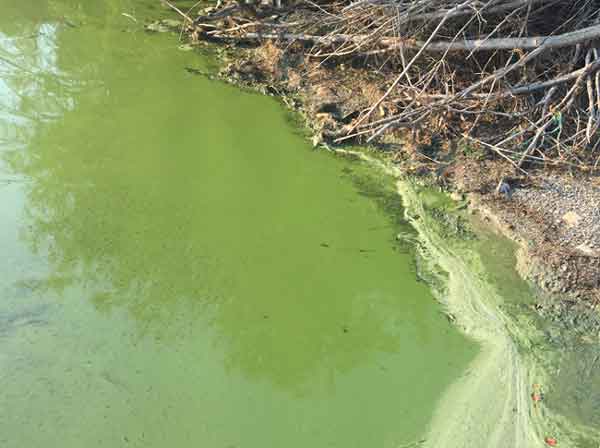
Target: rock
{"x":163,"y":26}
{"x":329,"y":108}
{"x":171,"y":23}
{"x":504,"y":188}
{"x":317,"y":139}
{"x":327,"y":102}
{"x":571,"y":219}
{"x":420,"y":171}
{"x":456,"y":196}
{"x":587,"y":250}
{"x":156,"y":27}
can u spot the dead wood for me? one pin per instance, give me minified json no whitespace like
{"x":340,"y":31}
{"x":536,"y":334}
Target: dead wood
{"x":518,"y":77}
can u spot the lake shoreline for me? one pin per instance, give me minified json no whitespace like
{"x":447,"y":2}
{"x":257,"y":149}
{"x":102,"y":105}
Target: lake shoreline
{"x":551,"y":214}
{"x":494,"y":398}
{"x":489,"y":405}
{"x":547,"y":256}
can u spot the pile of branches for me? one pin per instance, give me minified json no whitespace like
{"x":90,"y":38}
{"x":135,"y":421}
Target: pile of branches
{"x":518,"y":77}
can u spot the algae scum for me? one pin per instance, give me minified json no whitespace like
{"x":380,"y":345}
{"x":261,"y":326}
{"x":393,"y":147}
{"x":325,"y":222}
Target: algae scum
{"x":180,"y":269}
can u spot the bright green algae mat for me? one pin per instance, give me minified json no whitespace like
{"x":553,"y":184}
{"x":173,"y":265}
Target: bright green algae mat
{"x":180,"y":269}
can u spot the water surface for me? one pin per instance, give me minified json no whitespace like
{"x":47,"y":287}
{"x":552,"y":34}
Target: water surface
{"x":180,"y":269}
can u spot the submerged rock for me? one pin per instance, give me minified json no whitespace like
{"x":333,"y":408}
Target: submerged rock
{"x":163,"y":26}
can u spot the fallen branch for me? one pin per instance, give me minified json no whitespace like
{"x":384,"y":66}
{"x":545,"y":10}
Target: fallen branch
{"x":397,"y":43}
{"x":177,"y":10}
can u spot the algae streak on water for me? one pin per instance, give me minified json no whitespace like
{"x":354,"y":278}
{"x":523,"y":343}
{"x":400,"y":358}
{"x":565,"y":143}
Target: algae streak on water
{"x":564,"y":354}
{"x":179,"y":269}
{"x":491,"y":406}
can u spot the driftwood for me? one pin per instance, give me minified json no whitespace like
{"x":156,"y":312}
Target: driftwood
{"x":396,"y":43}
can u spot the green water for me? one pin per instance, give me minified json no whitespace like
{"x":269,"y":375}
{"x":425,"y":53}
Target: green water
{"x":180,"y":269}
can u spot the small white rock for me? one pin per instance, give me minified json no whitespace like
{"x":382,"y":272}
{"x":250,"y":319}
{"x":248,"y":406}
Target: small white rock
{"x":571,"y":219}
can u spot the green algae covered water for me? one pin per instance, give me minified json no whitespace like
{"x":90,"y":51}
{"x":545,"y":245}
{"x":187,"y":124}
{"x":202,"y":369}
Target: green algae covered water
{"x":178,"y":268}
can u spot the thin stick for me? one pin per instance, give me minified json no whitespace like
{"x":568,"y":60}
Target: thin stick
{"x":499,"y":151}
{"x":176,"y":9}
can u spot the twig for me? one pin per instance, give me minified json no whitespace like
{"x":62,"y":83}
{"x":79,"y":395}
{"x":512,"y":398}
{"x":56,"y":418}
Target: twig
{"x":177,"y":10}
{"x":498,"y":151}
{"x":129,"y":16}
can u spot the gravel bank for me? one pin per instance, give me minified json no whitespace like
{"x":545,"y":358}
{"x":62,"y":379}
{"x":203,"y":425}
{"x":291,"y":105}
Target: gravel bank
{"x":571,"y":206}
{"x":554,"y":217}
